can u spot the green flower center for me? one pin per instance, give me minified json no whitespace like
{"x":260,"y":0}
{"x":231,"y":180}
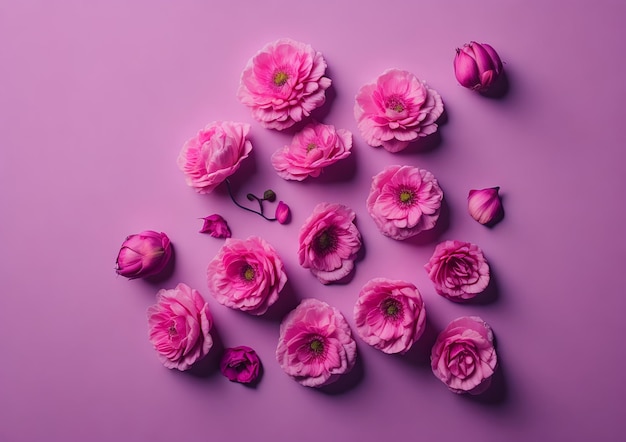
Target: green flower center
{"x":248,"y":272}
{"x":280,"y":78}
{"x":406,"y":197}
{"x":310,"y":147}
{"x":316,"y":346}
{"x":324,"y":242}
{"x":391,"y":308}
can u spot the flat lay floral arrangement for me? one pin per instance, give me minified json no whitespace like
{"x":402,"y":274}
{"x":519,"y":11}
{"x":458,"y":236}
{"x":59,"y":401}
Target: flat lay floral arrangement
{"x":282,"y":85}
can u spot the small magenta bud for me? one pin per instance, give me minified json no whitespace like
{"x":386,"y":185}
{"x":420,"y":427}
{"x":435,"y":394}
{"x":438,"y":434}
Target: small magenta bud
{"x":144,"y":254}
{"x":485,"y":205}
{"x":477,"y":66}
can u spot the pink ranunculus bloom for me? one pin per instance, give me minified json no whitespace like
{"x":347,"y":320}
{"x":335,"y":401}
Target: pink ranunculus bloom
{"x":216,"y":226}
{"x":458,"y":270}
{"x":214,"y":154}
{"x":390,"y":315}
{"x":397,"y":109}
{"x":179,"y":324}
{"x":283,"y":83}
{"x":311,"y":150}
{"x":240,"y":364}
{"x":246,"y":275}
{"x":143,"y":254}
{"x":404,"y":201}
{"x":464,"y":357}
{"x":329,"y":242}
{"x":315,"y":345}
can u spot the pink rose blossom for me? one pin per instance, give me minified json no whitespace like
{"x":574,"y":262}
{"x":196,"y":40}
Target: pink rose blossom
{"x":396,"y":109}
{"x":390,"y":315}
{"x":458,"y":270}
{"x":246,"y":275}
{"x":464,"y":357}
{"x":240,"y":364}
{"x":214,"y":154}
{"x":329,"y":242}
{"x":404,"y":201}
{"x":311,"y":150}
{"x":282,"y":212}
{"x":315,"y":345}
{"x":143,"y":254}
{"x":180,"y":323}
{"x":283,"y":83}
{"x":216,"y":226}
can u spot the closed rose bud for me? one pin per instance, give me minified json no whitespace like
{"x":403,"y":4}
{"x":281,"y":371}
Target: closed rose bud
{"x":215,"y":226}
{"x":485,"y":205}
{"x":282,"y":212}
{"x":477,"y":66}
{"x":143,"y":254}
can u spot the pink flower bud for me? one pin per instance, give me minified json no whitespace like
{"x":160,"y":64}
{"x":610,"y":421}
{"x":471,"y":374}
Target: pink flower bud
{"x":476,"y":66}
{"x":143,"y":254}
{"x":216,"y":226}
{"x":282,"y":212}
{"x":240,"y":364}
{"x":485,"y":205}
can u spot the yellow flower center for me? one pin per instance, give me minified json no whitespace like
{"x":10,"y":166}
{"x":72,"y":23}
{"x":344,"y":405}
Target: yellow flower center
{"x":391,"y":308}
{"x":395,"y":104}
{"x":248,"y":273}
{"x":310,"y":147}
{"x":280,"y":78}
{"x":406,"y":197}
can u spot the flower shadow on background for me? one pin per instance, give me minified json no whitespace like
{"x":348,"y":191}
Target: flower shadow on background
{"x":419,"y":354}
{"x":287,"y":301}
{"x":165,"y":274}
{"x":348,"y":381}
{"x":342,"y":171}
{"x":498,"y":392}
{"x":210,"y":364}
{"x":428,"y":143}
{"x":500,"y":88}
{"x":432,"y":236}
{"x":490,"y":295}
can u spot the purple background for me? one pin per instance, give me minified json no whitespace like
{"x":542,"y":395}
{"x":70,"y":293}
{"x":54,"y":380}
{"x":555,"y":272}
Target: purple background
{"x":97,"y":98}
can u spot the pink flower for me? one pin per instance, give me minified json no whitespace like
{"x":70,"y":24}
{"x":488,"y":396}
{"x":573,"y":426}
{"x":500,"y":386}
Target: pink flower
{"x":311,"y":150}
{"x":485,"y":205}
{"x":240,"y":364}
{"x":216,"y":226}
{"x":404,"y":201}
{"x":143,"y":254}
{"x":315,"y":345}
{"x":283,"y":83}
{"x":329,"y":242}
{"x":477,"y":66}
{"x":464,"y":357}
{"x":390,"y":315}
{"x":180,"y":323}
{"x":246,"y":275}
{"x":282,"y":212}
{"x":458,"y":270}
{"x":396,"y":109}
{"x":214,"y":154}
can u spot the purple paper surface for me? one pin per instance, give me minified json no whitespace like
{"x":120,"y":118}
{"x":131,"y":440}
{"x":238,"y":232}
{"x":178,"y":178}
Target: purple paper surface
{"x":96,"y":101}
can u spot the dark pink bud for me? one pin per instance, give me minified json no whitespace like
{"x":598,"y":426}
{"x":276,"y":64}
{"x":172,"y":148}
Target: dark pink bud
{"x":484,"y":205}
{"x":216,"y":226}
{"x":144,"y":254}
{"x":477,"y":66}
{"x":240,"y":364}
{"x":282,"y":212}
